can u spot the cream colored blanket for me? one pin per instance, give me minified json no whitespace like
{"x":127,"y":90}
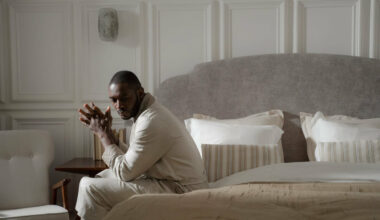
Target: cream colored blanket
{"x":259,"y":201}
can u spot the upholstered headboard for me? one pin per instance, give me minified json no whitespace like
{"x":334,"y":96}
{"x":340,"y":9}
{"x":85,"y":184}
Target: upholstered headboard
{"x":333,"y":84}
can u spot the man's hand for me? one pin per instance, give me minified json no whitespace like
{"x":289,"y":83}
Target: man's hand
{"x":98,"y":122}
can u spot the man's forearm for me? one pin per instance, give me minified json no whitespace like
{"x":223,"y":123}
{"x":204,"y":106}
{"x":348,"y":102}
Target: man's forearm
{"x":107,"y":138}
{"x":111,"y":149}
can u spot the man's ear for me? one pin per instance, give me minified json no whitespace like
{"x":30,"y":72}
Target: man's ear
{"x":140,"y":91}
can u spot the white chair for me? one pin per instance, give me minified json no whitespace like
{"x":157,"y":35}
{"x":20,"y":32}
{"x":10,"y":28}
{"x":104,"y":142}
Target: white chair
{"x":25,"y":157}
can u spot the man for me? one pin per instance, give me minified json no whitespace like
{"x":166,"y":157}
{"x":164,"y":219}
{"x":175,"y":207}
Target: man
{"x":161,"y":156}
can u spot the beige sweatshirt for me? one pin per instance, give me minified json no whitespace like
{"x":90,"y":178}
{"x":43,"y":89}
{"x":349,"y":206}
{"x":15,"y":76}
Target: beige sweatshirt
{"x":159,"y":147}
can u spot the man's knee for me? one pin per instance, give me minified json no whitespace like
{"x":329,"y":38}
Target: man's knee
{"x":87,"y":185}
{"x":87,"y":195}
{"x":89,"y":205}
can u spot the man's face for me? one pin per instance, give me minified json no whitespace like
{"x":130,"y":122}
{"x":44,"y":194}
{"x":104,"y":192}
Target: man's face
{"x":124,"y":99}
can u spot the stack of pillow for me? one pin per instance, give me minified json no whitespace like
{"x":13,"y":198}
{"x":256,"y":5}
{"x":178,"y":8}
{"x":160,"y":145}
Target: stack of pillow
{"x":341,"y":138}
{"x":233,"y":145}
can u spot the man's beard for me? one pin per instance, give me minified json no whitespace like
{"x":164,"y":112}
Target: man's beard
{"x":134,"y":110}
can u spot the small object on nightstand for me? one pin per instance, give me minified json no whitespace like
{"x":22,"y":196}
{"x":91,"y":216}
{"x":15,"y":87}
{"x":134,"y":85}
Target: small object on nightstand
{"x":99,"y":149}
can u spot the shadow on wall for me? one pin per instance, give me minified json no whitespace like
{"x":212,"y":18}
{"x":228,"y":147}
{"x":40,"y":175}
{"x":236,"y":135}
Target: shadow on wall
{"x":129,"y":30}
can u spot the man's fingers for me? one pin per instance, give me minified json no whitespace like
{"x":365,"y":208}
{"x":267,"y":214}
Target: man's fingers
{"x":109,"y":116}
{"x":84,"y":124}
{"x":84,"y":121}
{"x":85,"y":114}
{"x":108,"y":112}
{"x":98,"y":111}
{"x":90,"y":110}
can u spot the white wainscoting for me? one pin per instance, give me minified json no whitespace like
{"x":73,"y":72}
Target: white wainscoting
{"x":254,"y":27}
{"x":52,"y":60}
{"x":3,"y":122}
{"x":374,"y":44}
{"x":41,"y":50}
{"x":59,"y":124}
{"x":181,"y":35}
{"x":61,"y":127}
{"x":2,"y":53}
{"x":98,"y":60}
{"x":336,"y":27}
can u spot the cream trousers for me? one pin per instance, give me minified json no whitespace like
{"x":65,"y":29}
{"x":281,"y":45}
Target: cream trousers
{"x":97,"y":196}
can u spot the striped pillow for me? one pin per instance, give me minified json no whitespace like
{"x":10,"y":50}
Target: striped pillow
{"x":224,"y":160}
{"x":336,"y":128}
{"x":361,"y":151}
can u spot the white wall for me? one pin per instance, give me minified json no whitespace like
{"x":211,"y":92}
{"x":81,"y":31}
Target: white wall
{"x":52,"y":60}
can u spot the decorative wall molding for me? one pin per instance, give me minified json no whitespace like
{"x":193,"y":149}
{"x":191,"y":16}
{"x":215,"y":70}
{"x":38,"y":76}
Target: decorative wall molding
{"x":378,"y":30}
{"x":51,"y":106}
{"x":94,"y":68}
{"x":47,"y":52}
{"x":3,"y":122}
{"x":359,"y":23}
{"x":61,"y":127}
{"x":363,"y":28}
{"x":2,"y":53}
{"x":159,"y":69}
{"x":374,"y":40}
{"x":59,"y":124}
{"x":229,"y":8}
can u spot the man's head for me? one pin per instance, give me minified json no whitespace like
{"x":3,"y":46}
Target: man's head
{"x":126,"y":93}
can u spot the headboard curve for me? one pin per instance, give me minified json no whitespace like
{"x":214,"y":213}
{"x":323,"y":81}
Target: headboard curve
{"x":231,"y":88}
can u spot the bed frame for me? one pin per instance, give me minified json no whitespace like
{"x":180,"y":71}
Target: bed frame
{"x":231,"y":88}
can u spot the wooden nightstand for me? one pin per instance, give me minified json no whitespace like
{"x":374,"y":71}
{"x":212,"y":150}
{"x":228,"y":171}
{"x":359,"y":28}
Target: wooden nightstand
{"x":87,"y":166}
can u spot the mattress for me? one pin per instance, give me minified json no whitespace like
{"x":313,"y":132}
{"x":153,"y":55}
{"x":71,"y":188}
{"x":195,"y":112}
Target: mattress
{"x":303,"y":190}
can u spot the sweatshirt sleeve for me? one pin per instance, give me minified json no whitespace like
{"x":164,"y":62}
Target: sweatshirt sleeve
{"x":113,"y":150}
{"x":149,"y":145}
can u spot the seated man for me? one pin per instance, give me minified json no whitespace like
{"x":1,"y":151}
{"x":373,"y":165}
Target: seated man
{"x":161,"y":156}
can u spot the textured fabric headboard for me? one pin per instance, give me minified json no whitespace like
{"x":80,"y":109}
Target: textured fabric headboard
{"x":333,"y":84}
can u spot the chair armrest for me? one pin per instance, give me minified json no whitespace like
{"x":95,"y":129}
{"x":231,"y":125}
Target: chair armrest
{"x":60,"y":185}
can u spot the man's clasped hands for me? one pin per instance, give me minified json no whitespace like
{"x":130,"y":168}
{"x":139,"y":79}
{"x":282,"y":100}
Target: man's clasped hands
{"x":98,"y":122}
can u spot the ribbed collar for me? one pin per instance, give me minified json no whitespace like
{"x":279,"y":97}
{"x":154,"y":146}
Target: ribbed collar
{"x":147,"y":101}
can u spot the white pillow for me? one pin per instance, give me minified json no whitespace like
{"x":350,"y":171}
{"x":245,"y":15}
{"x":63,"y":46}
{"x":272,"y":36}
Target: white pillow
{"x":334,"y":130}
{"x":271,"y":117}
{"x":237,"y":131}
{"x":320,"y":130}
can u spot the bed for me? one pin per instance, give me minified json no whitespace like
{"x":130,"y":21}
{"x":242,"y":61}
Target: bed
{"x":297,"y":189}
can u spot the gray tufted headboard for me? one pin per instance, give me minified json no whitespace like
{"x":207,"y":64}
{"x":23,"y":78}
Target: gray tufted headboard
{"x":333,"y":84}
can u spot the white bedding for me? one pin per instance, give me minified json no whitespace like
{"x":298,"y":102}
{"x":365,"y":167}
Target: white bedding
{"x":305,"y":172}
{"x":302,"y":190}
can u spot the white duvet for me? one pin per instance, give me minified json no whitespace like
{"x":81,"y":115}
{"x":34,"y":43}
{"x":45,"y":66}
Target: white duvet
{"x":313,"y":190}
{"x":305,"y":172}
